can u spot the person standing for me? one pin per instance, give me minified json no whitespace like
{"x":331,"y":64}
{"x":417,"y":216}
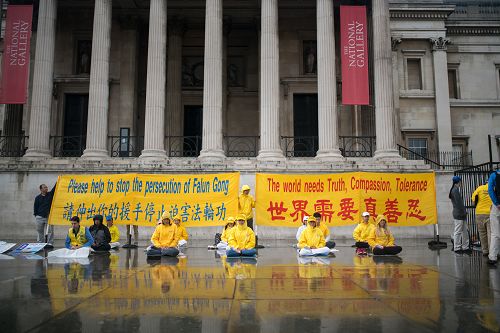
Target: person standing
{"x":246,"y":204}
{"x":41,"y":210}
{"x":482,"y":202}
{"x":494,"y":192}
{"x":460,"y":232}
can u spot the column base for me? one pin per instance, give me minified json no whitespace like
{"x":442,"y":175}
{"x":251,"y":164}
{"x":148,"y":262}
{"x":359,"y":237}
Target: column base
{"x":37,"y":154}
{"x":95,"y":154}
{"x":151,"y":155}
{"x":331,"y":155}
{"x":387,"y":155}
{"x":271,"y":156}
{"x":212,"y":156}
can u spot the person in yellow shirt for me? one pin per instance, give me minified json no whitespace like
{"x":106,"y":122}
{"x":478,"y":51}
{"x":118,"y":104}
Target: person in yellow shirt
{"x":326,"y":231}
{"x":241,"y":242}
{"x":164,"y":239}
{"x":113,"y":230}
{"x":483,"y":203}
{"x":182,"y":234}
{"x":312,"y":241}
{"x":246,"y":204}
{"x":361,"y":234}
{"x":224,"y":238}
{"x":381,"y":239}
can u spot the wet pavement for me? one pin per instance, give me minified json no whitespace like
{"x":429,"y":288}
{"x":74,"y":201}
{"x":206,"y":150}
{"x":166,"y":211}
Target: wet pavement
{"x":419,"y":291}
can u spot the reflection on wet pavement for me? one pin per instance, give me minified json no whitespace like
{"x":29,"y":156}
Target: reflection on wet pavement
{"x":420,"y":291}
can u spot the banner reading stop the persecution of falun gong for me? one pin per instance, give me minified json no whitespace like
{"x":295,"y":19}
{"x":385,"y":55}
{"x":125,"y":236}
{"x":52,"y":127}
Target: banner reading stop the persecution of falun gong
{"x":200,"y":200}
{"x":405,"y":199}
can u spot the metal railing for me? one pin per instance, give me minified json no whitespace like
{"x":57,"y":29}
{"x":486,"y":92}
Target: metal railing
{"x":68,"y":146}
{"x":13,"y":145}
{"x":125,"y":146}
{"x":300,"y":146}
{"x":241,"y":146}
{"x":448,"y":160}
{"x":357,"y":146}
{"x":183,"y":146}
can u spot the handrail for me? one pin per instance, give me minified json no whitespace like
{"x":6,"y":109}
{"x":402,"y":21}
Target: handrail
{"x":402,"y":148}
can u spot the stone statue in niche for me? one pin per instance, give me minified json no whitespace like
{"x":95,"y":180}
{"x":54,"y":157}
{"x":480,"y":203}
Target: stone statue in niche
{"x":309,"y":57}
{"x":84,"y":56}
{"x":236,"y":71}
{"x":192,"y":72}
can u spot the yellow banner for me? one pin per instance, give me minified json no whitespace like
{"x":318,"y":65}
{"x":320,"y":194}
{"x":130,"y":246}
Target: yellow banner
{"x":200,"y":200}
{"x":405,"y":199}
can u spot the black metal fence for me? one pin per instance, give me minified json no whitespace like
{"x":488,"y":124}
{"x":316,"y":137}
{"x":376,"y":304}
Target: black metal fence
{"x":13,"y":145}
{"x":183,"y":146}
{"x":68,"y":146}
{"x":241,"y":146}
{"x":357,"y":146}
{"x":299,"y":146}
{"x":447,"y":160}
{"x":472,"y":178}
{"x":125,"y":146}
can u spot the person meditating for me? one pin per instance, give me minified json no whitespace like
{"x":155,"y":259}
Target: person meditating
{"x":381,"y":239}
{"x":78,"y":237}
{"x":182,"y":234}
{"x":361,"y":234}
{"x":115,"y":233}
{"x":164,"y":239}
{"x":224,"y":238}
{"x":312,"y":240}
{"x":101,"y":235}
{"x":241,"y":240}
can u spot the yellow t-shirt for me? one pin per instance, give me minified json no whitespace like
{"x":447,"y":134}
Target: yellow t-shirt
{"x":115,"y":233}
{"x":484,"y":204}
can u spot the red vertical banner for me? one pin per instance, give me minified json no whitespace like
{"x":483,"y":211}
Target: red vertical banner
{"x":16,"y":56}
{"x":354,"y":55}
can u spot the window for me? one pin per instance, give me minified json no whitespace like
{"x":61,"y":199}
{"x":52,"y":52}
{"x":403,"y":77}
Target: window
{"x":414,"y":72}
{"x":452,"y":83}
{"x":418,"y":145}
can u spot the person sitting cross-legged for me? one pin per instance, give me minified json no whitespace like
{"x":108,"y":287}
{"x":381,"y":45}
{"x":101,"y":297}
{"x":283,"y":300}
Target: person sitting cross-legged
{"x":164,"y":239}
{"x":113,"y":230}
{"x":182,"y":234}
{"x":241,"y":239}
{"x":78,"y":236}
{"x":381,"y":239}
{"x":361,"y":234}
{"x":224,"y":238}
{"x":101,"y":235}
{"x":312,"y":241}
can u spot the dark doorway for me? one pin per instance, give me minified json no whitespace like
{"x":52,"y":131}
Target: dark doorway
{"x":305,"y":125}
{"x":75,"y":126}
{"x":193,"y":127}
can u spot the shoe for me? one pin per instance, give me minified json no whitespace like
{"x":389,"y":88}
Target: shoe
{"x":492,"y":262}
{"x":459,"y":251}
{"x":212,"y":247}
{"x":359,"y":251}
{"x":365,"y":252}
{"x":485,"y":254}
{"x":49,"y":246}
{"x":467,"y":251}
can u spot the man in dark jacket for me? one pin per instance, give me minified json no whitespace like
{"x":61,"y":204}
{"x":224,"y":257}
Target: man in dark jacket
{"x":494,"y":193}
{"x":101,"y":235}
{"x":460,"y":232}
{"x":41,"y":210}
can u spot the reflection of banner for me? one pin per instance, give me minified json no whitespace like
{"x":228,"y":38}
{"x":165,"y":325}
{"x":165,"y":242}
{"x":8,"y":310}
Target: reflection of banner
{"x":16,"y":57}
{"x":354,"y":55}
{"x":200,"y":200}
{"x":405,"y":199}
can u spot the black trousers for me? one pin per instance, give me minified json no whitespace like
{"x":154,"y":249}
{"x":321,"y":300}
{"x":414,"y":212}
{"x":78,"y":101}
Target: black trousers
{"x":330,"y":244}
{"x":387,"y":250}
{"x":101,"y":247}
{"x":362,"y":245}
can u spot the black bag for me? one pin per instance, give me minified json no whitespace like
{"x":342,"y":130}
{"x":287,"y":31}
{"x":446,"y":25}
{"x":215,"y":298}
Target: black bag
{"x":217,"y":238}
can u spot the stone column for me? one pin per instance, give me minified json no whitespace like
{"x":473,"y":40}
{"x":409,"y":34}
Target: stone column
{"x":97,"y":125}
{"x":384,"y":102}
{"x":154,"y":131}
{"x":443,"y":115}
{"x":226,"y":29}
{"x":327,"y":90}
{"x":212,"y":85}
{"x":176,"y":28}
{"x":269,"y":84}
{"x":395,"y":41}
{"x":39,"y":131}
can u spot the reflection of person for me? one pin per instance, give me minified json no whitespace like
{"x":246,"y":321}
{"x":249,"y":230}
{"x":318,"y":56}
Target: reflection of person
{"x":164,"y":239}
{"x":78,"y":236}
{"x":182,"y":234}
{"x":224,"y":238}
{"x":113,"y":230}
{"x":482,"y":202}
{"x":381,"y":239}
{"x":361,"y":234}
{"x":312,"y":241}
{"x":494,"y":192}
{"x":241,"y":239}
{"x":41,"y":210}
{"x":246,"y":204}
{"x":460,"y":233}
{"x":326,"y":231}
{"x":101,"y":235}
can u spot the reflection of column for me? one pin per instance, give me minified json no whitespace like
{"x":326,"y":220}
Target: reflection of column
{"x":443,"y":115}
{"x":212,"y":84}
{"x":176,"y":28}
{"x":97,"y":125}
{"x":269,"y":84}
{"x":384,"y":103}
{"x":154,"y":128}
{"x":327,"y":90}
{"x":39,"y":131}
{"x":395,"y":41}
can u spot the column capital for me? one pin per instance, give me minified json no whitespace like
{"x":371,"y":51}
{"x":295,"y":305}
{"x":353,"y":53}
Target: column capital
{"x":395,"y":41}
{"x":177,"y":25}
{"x":440,"y":43}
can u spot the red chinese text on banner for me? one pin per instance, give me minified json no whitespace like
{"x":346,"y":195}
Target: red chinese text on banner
{"x":15,"y":66}
{"x":354,"y":55}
